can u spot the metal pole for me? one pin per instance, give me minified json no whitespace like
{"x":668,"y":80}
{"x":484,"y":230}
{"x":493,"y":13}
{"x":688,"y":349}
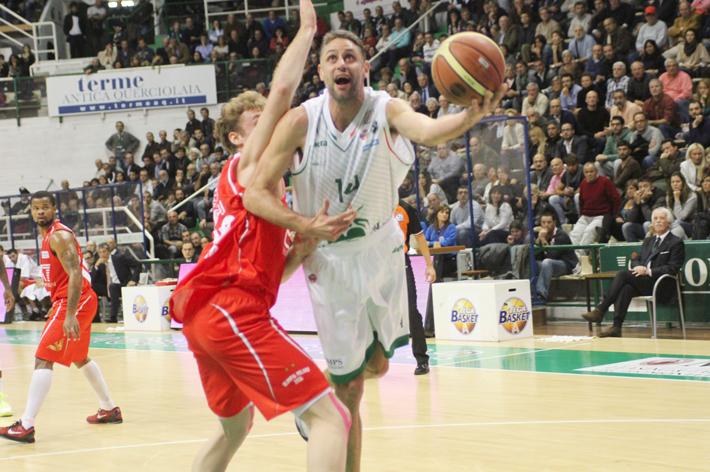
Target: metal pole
{"x":142,"y":218}
{"x":86,"y":215}
{"x":416,"y":180}
{"x":9,"y":223}
{"x":469,"y":169}
{"x":113,"y":215}
{"x":531,"y":218}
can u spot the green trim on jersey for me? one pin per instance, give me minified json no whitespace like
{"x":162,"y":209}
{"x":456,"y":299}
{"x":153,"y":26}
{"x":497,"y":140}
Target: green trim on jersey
{"x":369,"y":352}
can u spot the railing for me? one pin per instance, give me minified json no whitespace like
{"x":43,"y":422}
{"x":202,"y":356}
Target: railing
{"x":36,"y":37}
{"x":423,"y":18}
{"x":26,"y":97}
{"x":97,"y":214}
{"x":286,"y":8}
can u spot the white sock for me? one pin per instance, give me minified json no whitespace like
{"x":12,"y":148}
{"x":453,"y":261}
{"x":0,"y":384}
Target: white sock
{"x":93,"y":374}
{"x":39,"y":388}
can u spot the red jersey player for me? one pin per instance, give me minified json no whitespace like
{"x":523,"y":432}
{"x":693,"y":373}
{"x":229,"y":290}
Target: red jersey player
{"x":245,"y":358}
{"x":65,"y":338}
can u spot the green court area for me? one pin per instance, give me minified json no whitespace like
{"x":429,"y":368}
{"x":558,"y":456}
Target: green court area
{"x":559,"y":360}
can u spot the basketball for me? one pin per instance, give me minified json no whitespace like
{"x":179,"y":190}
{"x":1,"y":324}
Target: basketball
{"x":467,"y":65}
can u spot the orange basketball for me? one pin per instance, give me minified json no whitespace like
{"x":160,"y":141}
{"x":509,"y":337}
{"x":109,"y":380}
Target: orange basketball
{"x":467,"y":65}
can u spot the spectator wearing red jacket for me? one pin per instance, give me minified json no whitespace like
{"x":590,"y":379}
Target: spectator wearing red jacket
{"x":597,"y":198}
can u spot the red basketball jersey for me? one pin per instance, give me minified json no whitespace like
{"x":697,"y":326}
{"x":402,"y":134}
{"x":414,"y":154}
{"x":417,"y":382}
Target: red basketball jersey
{"x":246,"y":253}
{"x":56,"y":279}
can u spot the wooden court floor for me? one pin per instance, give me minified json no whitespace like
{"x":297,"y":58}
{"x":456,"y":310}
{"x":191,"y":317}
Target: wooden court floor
{"x":516,"y":406}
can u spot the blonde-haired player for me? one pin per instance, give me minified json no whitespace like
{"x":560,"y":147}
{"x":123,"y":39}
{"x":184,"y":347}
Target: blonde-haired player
{"x":355,"y":151}
{"x":245,"y":358}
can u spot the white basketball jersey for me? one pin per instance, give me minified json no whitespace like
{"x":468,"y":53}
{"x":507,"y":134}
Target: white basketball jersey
{"x":362,"y":166}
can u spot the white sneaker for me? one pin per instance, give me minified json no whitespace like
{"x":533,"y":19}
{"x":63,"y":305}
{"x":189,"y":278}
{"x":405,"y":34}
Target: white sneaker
{"x":577,"y":269}
{"x":5,"y":408}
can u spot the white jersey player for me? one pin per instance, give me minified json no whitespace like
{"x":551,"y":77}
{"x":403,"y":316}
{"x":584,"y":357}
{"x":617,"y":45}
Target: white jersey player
{"x":354,"y":150}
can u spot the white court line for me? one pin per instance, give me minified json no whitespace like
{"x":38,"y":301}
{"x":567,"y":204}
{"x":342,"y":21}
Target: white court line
{"x":629,"y":421}
{"x":502,"y":356}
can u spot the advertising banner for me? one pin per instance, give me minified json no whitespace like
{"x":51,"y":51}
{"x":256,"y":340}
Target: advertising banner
{"x":128,"y":89}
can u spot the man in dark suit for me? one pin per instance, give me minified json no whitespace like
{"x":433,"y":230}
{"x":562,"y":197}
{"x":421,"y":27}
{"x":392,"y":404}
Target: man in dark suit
{"x":571,"y":144}
{"x":425,"y":89}
{"x":661,"y":253}
{"x":122,"y":270}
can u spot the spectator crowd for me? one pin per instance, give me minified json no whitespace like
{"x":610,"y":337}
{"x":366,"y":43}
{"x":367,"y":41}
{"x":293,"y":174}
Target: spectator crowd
{"x":615,"y":93}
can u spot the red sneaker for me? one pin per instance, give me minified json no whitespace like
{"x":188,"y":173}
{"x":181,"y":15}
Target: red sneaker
{"x":106,"y":417}
{"x":17,"y":432}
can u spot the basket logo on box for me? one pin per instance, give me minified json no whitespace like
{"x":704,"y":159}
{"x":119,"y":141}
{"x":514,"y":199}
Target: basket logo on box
{"x":140,"y":308}
{"x":514,"y":315}
{"x":165,"y":311}
{"x":464,"y":316}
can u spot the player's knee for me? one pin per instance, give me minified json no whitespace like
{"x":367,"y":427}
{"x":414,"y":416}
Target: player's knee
{"x":378,"y":365}
{"x":239,"y":425}
{"x":43,"y":364}
{"x":350,"y":393}
{"x":331,"y":410}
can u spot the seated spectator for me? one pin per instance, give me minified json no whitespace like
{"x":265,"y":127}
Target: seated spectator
{"x":645,"y":141}
{"x":646,"y":199}
{"x":677,"y":84}
{"x":683,"y":204}
{"x":668,"y":162}
{"x":581,"y":44}
{"x":686,"y":20}
{"x":107,"y":57}
{"x":196,"y":241}
{"x":637,"y":90}
{"x":661,"y":253}
{"x":623,"y":107}
{"x":702,"y":95}
{"x":652,"y":58}
{"x":653,"y":29}
{"x":597,"y":198}
{"x":660,"y":110}
{"x":695,"y":166}
{"x":446,"y":169}
{"x":461,"y":217}
{"x":569,"y":93}
{"x":480,"y":181}
{"x":606,"y":162}
{"x":593,"y":118}
{"x":497,"y":219}
{"x":535,"y":99}
{"x":618,"y":81}
{"x":618,"y":37}
{"x":552,"y":263}
{"x":540,"y":174}
{"x":701,"y":223}
{"x":627,"y":168}
{"x":171,"y":235}
{"x":513,"y":140}
{"x":692,"y":55}
{"x":571,"y":144}
{"x":628,"y":210}
{"x":560,"y":115}
{"x":556,"y":184}
{"x":538,"y":142}
{"x":699,"y":127}
{"x":188,"y":253}
{"x":440,"y":231}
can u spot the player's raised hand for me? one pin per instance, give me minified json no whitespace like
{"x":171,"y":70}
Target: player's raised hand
{"x":71,"y":328}
{"x":307,"y":14}
{"x":327,"y":227}
{"x":479,"y":109}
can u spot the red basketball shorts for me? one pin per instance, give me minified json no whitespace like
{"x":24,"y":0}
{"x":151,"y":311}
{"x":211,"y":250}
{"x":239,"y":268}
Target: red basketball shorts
{"x":244,"y":357}
{"x":54,"y":345}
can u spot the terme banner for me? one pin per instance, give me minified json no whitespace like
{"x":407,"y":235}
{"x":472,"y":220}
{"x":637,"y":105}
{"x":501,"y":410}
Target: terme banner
{"x":129,"y":89}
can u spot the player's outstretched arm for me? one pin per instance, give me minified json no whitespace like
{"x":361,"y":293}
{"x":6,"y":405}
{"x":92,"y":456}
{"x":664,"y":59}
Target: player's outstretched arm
{"x":63,"y":245}
{"x":263,"y":196}
{"x":284,"y":83}
{"x":428,"y":131}
{"x":7,"y":294}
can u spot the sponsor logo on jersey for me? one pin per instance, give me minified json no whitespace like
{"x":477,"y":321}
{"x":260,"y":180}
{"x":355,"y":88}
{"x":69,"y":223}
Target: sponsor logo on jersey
{"x":514,"y":315}
{"x":335,"y":363}
{"x":45,"y":254}
{"x":370,"y":145}
{"x":296,"y":378}
{"x":321,"y":143}
{"x":464,"y":316}
{"x":56,"y":347}
{"x":140,"y":308}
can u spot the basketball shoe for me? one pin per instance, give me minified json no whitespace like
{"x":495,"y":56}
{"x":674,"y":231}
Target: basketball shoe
{"x":17,"y":432}
{"x":5,"y":408}
{"x":106,"y":417}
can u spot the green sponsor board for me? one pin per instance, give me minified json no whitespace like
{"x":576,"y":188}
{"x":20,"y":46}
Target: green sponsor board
{"x":695,"y":279}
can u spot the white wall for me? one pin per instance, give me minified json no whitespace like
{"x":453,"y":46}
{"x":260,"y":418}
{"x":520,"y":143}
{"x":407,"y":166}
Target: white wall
{"x":43,"y":149}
